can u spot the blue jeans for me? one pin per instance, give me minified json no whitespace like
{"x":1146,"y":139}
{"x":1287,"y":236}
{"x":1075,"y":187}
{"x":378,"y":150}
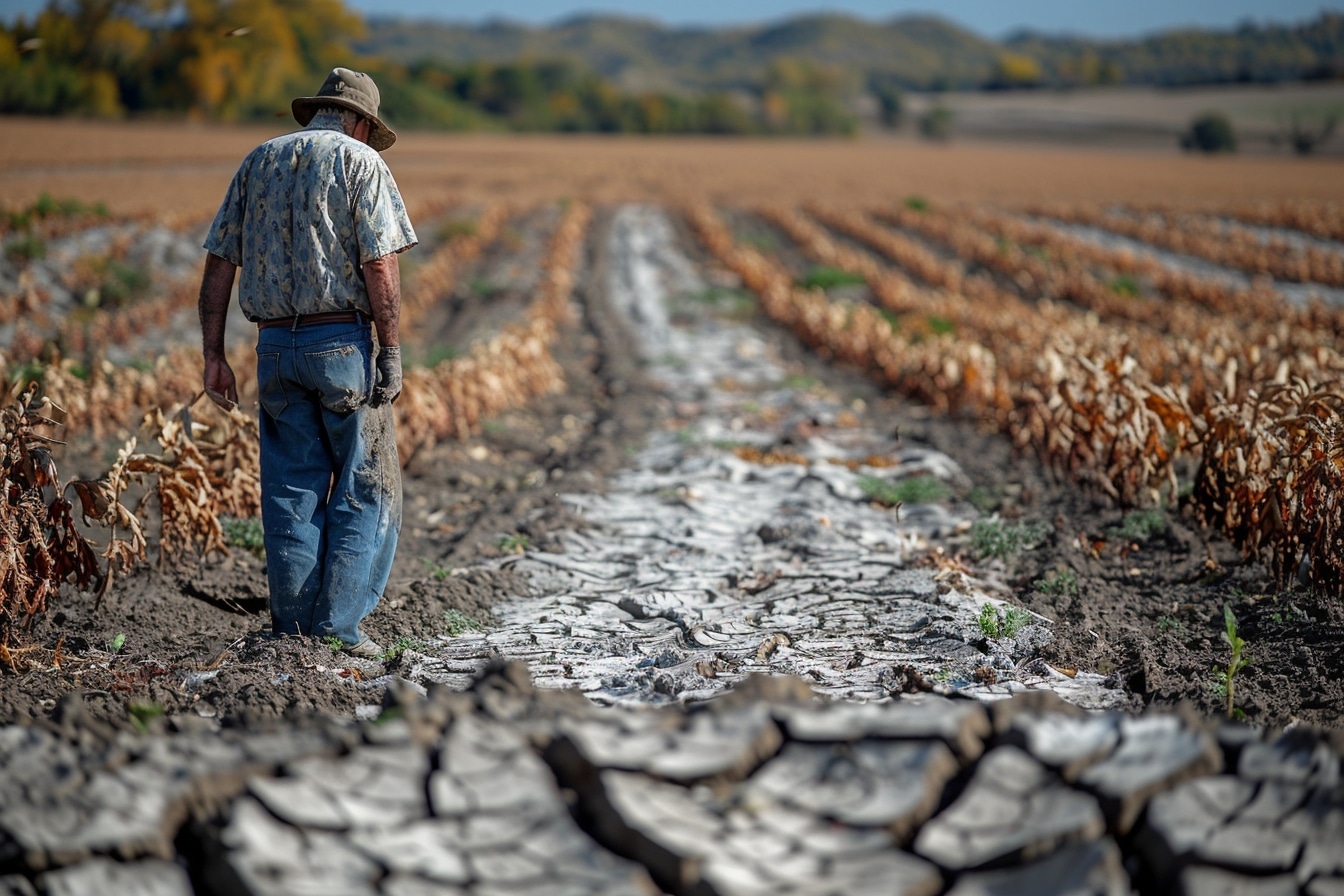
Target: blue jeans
{"x":330,"y":479}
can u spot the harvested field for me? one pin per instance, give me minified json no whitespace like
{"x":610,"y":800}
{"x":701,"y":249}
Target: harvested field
{"x":1023,"y":450}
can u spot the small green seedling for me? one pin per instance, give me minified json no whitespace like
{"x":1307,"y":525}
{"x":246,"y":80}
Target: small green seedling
{"x":1168,"y":624}
{"x":1061,"y":582}
{"x":400,"y":646}
{"x":992,"y":538}
{"x":1141,"y":525}
{"x":824,"y":277}
{"x":1227,"y":677}
{"x":245,"y":533}
{"x":995,"y":623}
{"x":915,"y":490}
{"x":514,"y":543}
{"x":334,"y":643}
{"x":117,"y":643}
{"x":458,"y":622}
{"x":144,"y":713}
{"x":437,"y":571}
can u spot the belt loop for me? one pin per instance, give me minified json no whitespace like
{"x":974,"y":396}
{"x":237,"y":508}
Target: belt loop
{"x":294,"y":328}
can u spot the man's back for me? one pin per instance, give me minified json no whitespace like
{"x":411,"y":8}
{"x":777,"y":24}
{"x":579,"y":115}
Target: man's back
{"x":304,"y":211}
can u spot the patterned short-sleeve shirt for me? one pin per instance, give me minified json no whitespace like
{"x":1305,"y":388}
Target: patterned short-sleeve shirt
{"x":304,"y":211}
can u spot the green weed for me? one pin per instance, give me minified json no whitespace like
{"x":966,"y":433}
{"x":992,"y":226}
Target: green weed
{"x":994,"y":539}
{"x":758,"y":239}
{"x":1141,"y":525}
{"x":121,"y":284}
{"x":438,"y":572}
{"x":118,"y":642}
{"x":824,"y":277}
{"x":26,"y":248}
{"x":1065,"y":581}
{"x":245,"y":533}
{"x":514,"y":543}
{"x":144,"y":713}
{"x":1226,"y":676}
{"x":917,"y":203}
{"x":334,"y":643}
{"x":1125,"y":285}
{"x":983,"y":499}
{"x":458,"y":622}
{"x":483,"y":288}
{"x":1168,"y":624}
{"x":995,"y":623}
{"x":798,"y":381}
{"x":400,"y":646}
{"x":915,"y":490}
{"x":940,"y":326}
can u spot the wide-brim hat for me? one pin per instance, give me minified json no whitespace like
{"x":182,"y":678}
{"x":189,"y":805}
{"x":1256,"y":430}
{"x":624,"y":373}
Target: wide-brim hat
{"x":349,"y":90}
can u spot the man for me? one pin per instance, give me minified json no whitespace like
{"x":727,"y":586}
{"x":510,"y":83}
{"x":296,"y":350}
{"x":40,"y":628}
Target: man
{"x":314,"y":221}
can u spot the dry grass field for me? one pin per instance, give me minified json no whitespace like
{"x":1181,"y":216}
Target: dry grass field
{"x":183,"y":169}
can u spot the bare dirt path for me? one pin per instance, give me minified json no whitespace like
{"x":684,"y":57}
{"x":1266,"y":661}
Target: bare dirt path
{"x":667,"y":524}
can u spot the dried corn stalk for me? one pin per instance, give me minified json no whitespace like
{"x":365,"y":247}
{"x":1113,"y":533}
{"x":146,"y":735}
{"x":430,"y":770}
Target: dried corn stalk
{"x":40,"y":546}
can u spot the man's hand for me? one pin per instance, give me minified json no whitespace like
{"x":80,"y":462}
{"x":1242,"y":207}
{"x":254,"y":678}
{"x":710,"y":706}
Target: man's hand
{"x":220,"y":384}
{"x":389,"y":376}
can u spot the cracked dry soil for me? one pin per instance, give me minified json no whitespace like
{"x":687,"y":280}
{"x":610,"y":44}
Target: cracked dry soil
{"x":1146,"y":613}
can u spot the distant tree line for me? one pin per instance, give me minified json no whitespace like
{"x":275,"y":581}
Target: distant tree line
{"x":238,"y":60}
{"x":244,"y":60}
{"x":796,"y":97}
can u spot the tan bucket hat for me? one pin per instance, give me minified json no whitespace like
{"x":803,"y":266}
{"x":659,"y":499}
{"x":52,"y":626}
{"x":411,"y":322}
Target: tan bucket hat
{"x":349,"y":90}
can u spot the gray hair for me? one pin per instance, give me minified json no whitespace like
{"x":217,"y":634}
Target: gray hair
{"x":349,"y":117}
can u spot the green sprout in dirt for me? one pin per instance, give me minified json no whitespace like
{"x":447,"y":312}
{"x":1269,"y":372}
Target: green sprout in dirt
{"x":1168,"y":624}
{"x":437,"y":571}
{"x":1126,"y":286}
{"x":1060,"y":582}
{"x":993,"y":538}
{"x":400,"y":646}
{"x":824,"y":277}
{"x":915,"y":490}
{"x":334,"y":643}
{"x":458,"y":623}
{"x":244,"y":533}
{"x":917,"y":204}
{"x":26,"y":248}
{"x":142,"y":714}
{"x":1227,"y":676}
{"x":1141,"y":525}
{"x":115,"y":645}
{"x":514,"y":543}
{"x":940,"y":326}
{"x":995,"y":623}
{"x":484,"y":288}
{"x":799,"y":381}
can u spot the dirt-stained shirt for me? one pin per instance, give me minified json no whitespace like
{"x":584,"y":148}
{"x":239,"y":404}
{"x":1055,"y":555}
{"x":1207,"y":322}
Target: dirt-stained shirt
{"x":304,"y":211}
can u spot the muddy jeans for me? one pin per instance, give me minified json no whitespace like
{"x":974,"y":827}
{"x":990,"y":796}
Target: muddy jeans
{"x":330,"y":479}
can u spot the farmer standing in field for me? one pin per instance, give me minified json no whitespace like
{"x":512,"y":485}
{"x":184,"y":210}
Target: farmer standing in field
{"x":315,"y":222}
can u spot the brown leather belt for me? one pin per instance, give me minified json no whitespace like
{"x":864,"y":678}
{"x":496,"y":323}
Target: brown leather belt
{"x":321,"y":317}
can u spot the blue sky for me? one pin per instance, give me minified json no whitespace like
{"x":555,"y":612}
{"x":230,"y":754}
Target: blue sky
{"x":992,"y":18}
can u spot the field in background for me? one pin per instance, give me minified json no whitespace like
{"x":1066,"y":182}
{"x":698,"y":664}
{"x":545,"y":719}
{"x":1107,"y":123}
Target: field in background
{"x":183,"y":169}
{"x":1141,"y":117}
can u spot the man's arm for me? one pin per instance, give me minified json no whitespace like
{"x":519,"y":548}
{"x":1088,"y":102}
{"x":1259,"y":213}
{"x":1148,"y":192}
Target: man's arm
{"x":213,"y":306}
{"x":382,"y":278}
